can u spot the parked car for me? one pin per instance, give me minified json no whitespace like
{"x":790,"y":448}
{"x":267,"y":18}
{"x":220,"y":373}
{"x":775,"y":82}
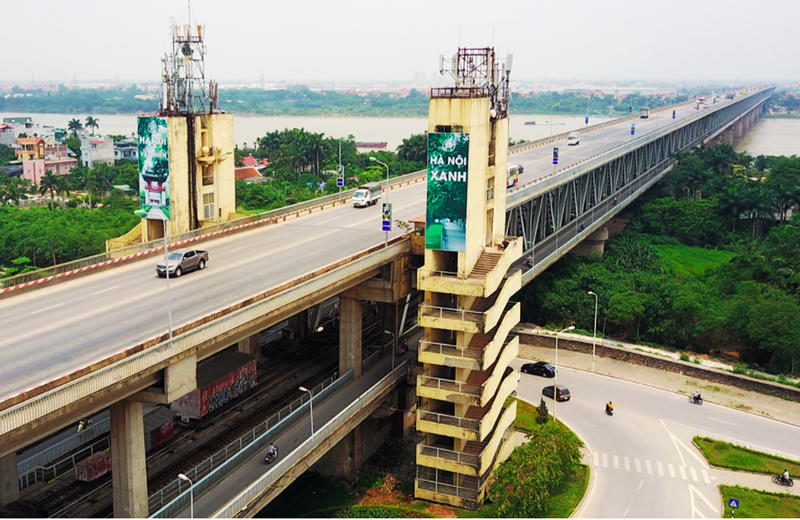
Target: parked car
{"x":563,"y":392}
{"x":540,"y":368}
{"x":182,"y":261}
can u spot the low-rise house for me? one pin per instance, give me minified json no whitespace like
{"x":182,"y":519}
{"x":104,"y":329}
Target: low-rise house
{"x":96,"y":150}
{"x":34,"y":170}
{"x":126,"y":150}
{"x":30,"y":148}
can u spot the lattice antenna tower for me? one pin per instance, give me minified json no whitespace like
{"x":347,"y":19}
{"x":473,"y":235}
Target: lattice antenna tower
{"x":477,"y":73}
{"x":183,"y":74}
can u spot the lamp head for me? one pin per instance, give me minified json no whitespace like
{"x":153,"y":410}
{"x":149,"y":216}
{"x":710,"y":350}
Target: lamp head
{"x":304,"y":389}
{"x":183,"y":477}
{"x":372,"y":158}
{"x":571,"y":327}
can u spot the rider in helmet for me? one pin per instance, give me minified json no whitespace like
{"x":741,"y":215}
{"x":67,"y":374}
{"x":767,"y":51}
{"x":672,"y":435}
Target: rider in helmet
{"x":696,"y":396}
{"x":271,"y":450}
{"x":610,"y":407}
{"x":785,"y":475}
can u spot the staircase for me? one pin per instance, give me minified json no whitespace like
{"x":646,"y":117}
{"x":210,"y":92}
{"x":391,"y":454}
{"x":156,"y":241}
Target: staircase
{"x":487,"y":261}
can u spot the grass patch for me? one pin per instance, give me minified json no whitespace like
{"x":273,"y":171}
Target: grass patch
{"x":691,"y":261}
{"x":306,"y":496}
{"x":382,"y":511}
{"x":743,"y":369}
{"x":760,"y":504}
{"x":727,"y":455}
{"x":567,"y":498}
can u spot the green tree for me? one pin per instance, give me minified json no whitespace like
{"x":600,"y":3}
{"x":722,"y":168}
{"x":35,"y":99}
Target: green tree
{"x":414,"y":148}
{"x":92,"y":123}
{"x":74,"y":126}
{"x":49,"y":183}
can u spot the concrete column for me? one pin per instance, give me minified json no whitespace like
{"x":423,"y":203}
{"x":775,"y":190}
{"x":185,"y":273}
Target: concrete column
{"x":593,"y":244}
{"x":299,"y":323}
{"x":9,"y":483}
{"x":350,"y":316}
{"x":249,"y":345}
{"x":737,"y":131}
{"x":128,"y":469}
{"x":727,"y":136}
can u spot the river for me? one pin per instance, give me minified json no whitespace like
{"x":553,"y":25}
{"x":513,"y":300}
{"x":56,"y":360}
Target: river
{"x":768,"y":137}
{"x":391,"y":130}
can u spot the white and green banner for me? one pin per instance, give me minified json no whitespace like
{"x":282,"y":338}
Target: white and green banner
{"x":446,"y":215}
{"x":154,"y":168}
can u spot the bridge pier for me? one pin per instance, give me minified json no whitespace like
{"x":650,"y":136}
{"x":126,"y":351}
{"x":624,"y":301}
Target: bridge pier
{"x":9,"y":486}
{"x":350,"y":453}
{"x":249,"y":345}
{"x":350,"y":316}
{"x":593,"y":244}
{"x":128,"y":469}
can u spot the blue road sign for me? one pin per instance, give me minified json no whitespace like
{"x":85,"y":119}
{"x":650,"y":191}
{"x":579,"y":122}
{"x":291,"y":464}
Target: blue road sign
{"x":733,"y":503}
{"x":386,"y":218}
{"x":387,"y":225}
{"x":633,"y":129}
{"x":673,"y":114}
{"x":587,"y":120}
{"x":555,"y":155}
{"x":339,"y":182}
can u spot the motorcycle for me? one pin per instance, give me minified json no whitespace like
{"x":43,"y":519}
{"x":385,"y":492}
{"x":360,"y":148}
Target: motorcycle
{"x":779,"y":480}
{"x":609,"y":411}
{"x":692,"y":400}
{"x":270,"y":458}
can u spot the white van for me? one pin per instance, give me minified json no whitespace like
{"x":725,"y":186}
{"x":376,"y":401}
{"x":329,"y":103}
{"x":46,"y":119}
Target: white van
{"x":573,"y":139}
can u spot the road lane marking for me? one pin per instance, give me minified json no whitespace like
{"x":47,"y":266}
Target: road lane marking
{"x":627,"y":464}
{"x":626,"y":511}
{"x":638,"y":466}
{"x":596,"y":459}
{"x":720,"y":420}
{"x":671,"y":470}
{"x":694,"y":491}
{"x":616,"y":462}
{"x":649,"y":467}
{"x":329,"y":220}
{"x":640,"y":485}
{"x":694,"y":474}
{"x":679,"y":444}
{"x":660,"y":469}
{"x":605,"y":460}
{"x":705,"y":476}
{"x":47,"y":309}
{"x":106,"y":290}
{"x":683,"y":472}
{"x":236,"y":249}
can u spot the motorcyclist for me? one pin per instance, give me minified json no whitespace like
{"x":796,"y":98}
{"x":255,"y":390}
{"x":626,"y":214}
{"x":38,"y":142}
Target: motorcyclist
{"x":529,"y":261}
{"x":610,"y":407}
{"x":696,"y":396}
{"x":272,"y":451}
{"x":785,"y":476}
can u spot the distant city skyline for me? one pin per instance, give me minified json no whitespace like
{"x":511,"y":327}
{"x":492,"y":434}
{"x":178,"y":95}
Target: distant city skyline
{"x":364,"y":42}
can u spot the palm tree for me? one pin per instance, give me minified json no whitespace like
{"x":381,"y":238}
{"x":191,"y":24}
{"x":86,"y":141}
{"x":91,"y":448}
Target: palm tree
{"x":315,"y":146}
{"x":15,"y":190}
{"x":74,"y":126}
{"x":63,"y":188}
{"x":96,"y":182}
{"x":49,"y":182}
{"x":92,"y":123}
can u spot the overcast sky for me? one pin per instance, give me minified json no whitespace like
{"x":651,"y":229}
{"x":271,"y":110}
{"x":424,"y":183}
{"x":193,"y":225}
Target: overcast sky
{"x":374,"y":40}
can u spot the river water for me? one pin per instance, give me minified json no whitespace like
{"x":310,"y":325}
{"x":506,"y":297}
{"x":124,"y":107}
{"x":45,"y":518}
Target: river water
{"x":391,"y":130}
{"x":768,"y":137}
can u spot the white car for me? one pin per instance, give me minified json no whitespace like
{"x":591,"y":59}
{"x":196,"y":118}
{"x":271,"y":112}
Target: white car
{"x":573,"y":139}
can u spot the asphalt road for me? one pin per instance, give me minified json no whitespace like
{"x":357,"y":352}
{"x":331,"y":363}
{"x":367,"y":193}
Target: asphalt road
{"x":642,"y":458}
{"x":56,"y":330}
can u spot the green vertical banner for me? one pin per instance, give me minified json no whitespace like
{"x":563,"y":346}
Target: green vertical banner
{"x":154,"y":168}
{"x":446,"y":215}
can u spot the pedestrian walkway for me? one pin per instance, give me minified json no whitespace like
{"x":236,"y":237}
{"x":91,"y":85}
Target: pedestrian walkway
{"x":654,"y":468}
{"x":760,"y":404}
{"x":253,"y":469}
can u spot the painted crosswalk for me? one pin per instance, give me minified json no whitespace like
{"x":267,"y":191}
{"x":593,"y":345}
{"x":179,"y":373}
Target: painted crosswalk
{"x":651,"y":467}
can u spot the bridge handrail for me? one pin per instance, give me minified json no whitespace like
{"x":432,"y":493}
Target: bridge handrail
{"x":441,"y":383}
{"x":450,"y":455}
{"x":252,"y":492}
{"x":79,"y":439}
{"x":443,"y":418}
{"x":209,"y":472}
{"x":61,"y":396}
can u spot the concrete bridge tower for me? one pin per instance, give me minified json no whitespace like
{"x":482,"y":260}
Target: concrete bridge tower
{"x":467,"y":314}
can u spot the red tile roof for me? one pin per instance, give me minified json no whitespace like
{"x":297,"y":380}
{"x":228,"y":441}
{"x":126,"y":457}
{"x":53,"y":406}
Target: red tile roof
{"x":248,"y":172}
{"x":249,"y":161}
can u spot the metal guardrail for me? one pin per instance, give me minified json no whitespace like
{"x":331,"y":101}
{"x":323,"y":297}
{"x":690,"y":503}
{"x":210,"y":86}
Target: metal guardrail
{"x":449,"y":384}
{"x":257,"y":488}
{"x":65,"y":446}
{"x":445,"y":454}
{"x":47,"y":473}
{"x":448,"y":420}
{"x":208,"y":473}
{"x":470,"y":493}
{"x":66,"y":394}
{"x":449,"y":313}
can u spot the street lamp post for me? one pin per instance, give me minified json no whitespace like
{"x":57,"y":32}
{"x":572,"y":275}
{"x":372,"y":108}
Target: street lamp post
{"x":551,"y":118}
{"x":555,"y":377}
{"x":373,"y":159}
{"x":394,"y":345}
{"x":594,"y":341}
{"x":191,"y":493}
{"x":311,"y":409}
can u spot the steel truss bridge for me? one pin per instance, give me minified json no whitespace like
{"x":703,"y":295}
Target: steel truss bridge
{"x":555,"y":213}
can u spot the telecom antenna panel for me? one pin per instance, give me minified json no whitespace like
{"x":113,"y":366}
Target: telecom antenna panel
{"x":478,"y":73}
{"x":183,"y":77}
